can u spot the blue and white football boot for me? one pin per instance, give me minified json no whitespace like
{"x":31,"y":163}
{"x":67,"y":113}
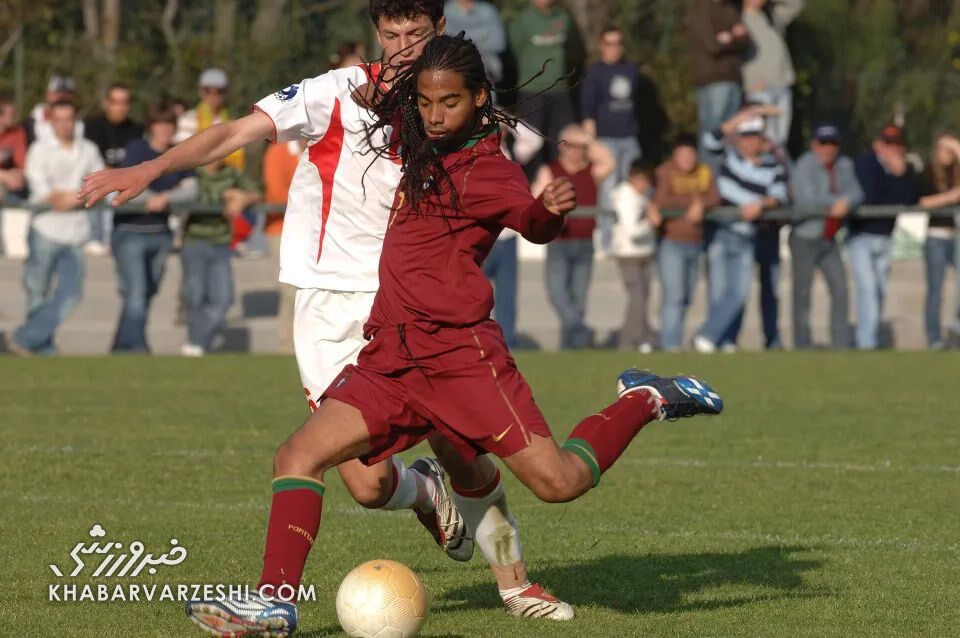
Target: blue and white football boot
{"x":252,"y":615}
{"x":677,"y":397}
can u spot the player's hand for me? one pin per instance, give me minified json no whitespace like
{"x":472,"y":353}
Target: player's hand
{"x":765,"y":110}
{"x":233,"y":208}
{"x":560,"y":197}
{"x":654,"y":216}
{"x":157,"y":203}
{"x":840,"y":209}
{"x":126,"y":182}
{"x":695,"y":211}
{"x":62,"y":201}
{"x":751,"y":212}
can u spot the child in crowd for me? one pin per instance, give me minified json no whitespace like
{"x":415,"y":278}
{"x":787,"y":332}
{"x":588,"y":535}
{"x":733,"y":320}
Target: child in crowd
{"x":633,"y":245}
{"x":207,"y":290}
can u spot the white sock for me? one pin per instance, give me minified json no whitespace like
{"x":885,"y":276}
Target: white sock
{"x":495,"y":530}
{"x":412,"y":490}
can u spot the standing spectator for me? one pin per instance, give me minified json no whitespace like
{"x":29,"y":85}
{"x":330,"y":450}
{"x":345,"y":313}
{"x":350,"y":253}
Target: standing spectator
{"x":60,"y":88}
{"x":940,"y":186}
{"x":823,"y":178}
{"x":481,"y":22}
{"x":207,"y":276}
{"x":55,"y":168}
{"x":887,"y":178}
{"x":633,"y":246}
{"x":142,"y":242}
{"x":570,"y":256}
{"x":682,"y":182}
{"x":13,"y":151}
{"x":766,"y":254}
{"x":213,"y":84}
{"x":609,"y":108}
{"x":111,"y":132}
{"x":753,"y":181}
{"x":13,"y":156}
{"x":768,"y":74}
{"x":541,"y":33}
{"x":718,"y":39}
{"x":279,"y":165}
{"x":349,"y":54}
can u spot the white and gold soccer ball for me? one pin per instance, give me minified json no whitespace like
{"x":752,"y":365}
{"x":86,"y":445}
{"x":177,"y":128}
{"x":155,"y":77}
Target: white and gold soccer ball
{"x":382,"y":599}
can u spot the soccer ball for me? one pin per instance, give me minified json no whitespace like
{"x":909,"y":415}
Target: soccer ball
{"x":382,"y":599}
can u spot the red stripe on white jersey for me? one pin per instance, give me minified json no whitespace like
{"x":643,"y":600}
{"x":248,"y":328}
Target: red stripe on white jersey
{"x":325,"y":155}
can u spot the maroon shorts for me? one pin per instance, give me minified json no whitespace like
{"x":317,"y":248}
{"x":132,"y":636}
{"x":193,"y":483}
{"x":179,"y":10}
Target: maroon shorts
{"x":461,"y":382}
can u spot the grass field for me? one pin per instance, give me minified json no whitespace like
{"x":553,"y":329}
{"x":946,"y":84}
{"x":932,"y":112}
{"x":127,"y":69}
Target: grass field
{"x":825,"y":502}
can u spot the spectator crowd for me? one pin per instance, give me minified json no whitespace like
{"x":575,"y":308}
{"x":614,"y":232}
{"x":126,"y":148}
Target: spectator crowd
{"x":653,"y":220}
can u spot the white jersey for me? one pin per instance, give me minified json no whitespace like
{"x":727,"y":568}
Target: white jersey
{"x":342,"y":192}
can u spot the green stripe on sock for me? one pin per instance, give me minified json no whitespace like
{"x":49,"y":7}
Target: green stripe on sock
{"x":585,"y":451}
{"x":287,"y":483}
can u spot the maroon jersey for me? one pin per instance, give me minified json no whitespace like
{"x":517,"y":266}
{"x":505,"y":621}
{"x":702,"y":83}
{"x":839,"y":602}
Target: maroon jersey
{"x":431,"y":271}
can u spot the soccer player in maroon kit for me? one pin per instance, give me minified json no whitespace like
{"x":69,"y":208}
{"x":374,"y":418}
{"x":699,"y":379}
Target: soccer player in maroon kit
{"x":436,"y":361}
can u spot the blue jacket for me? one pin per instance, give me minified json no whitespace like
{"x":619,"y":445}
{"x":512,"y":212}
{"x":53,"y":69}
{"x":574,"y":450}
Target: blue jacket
{"x":810,"y":184}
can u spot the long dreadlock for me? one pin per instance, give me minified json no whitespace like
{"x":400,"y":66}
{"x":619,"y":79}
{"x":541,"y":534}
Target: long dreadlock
{"x":424,"y":174}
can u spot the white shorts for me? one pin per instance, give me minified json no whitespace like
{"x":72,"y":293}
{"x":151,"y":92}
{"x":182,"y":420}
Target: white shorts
{"x":327,"y":335}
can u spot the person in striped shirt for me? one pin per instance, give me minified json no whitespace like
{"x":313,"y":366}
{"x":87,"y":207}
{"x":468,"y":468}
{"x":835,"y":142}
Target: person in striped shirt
{"x":754,"y":181}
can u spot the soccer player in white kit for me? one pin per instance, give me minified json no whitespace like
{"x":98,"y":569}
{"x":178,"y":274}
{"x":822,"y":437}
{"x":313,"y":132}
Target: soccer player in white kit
{"x":336,"y":217}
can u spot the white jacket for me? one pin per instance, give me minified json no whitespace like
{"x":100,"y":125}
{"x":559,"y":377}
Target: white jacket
{"x":633,"y":234}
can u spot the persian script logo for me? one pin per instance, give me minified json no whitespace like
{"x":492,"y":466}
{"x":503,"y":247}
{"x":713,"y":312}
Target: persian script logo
{"x":119,"y":560}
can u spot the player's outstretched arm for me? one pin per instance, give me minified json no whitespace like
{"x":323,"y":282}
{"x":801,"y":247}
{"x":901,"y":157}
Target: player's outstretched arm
{"x":542,"y":220}
{"x":207,"y":146}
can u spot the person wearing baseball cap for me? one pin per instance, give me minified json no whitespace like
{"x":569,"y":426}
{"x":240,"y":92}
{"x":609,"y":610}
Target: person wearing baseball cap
{"x":212,"y":85}
{"x":822,"y":178}
{"x":887,"y":178}
{"x":754,"y":181}
{"x":60,"y":88}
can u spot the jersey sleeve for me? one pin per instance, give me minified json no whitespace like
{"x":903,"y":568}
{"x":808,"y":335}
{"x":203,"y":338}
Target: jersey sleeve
{"x":498,"y":191}
{"x":301,"y":110}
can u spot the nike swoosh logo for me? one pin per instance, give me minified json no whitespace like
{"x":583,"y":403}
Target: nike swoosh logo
{"x":499,"y":438}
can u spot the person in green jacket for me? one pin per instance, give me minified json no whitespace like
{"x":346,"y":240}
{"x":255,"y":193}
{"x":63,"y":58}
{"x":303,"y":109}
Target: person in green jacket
{"x":207,"y":290}
{"x":544,"y":32}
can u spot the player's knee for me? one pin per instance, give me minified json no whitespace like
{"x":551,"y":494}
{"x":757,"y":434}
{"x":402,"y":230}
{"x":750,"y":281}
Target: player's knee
{"x":553,"y":487}
{"x":366,"y":494}
{"x":471,"y":475}
{"x":292,"y":459}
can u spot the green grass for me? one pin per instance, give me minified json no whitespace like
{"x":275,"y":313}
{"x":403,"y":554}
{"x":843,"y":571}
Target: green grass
{"x":825,"y":502}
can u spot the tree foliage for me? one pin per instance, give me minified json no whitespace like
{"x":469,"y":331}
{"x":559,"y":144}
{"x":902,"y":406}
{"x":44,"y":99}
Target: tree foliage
{"x":862,"y":62}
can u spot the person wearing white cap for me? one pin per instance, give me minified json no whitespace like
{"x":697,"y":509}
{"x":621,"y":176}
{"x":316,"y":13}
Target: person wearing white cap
{"x":213,"y":84}
{"x":59,"y":88}
{"x":754,"y":181}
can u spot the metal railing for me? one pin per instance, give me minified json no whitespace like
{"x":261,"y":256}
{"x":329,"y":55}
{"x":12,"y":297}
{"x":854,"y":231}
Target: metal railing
{"x":720,"y":213}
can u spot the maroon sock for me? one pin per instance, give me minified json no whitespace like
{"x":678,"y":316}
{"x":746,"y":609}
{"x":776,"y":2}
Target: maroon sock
{"x":294,"y":521}
{"x":599,"y":440}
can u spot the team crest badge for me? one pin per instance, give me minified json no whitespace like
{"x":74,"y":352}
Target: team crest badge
{"x":287,"y":93}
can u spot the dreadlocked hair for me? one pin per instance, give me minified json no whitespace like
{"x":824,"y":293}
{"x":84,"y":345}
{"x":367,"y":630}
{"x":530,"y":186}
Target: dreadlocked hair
{"x":424,"y":175}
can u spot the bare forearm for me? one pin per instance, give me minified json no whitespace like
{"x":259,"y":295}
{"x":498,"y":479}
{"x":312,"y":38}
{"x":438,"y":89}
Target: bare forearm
{"x":215,"y":143}
{"x":209,"y":145}
{"x":590,"y":127}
